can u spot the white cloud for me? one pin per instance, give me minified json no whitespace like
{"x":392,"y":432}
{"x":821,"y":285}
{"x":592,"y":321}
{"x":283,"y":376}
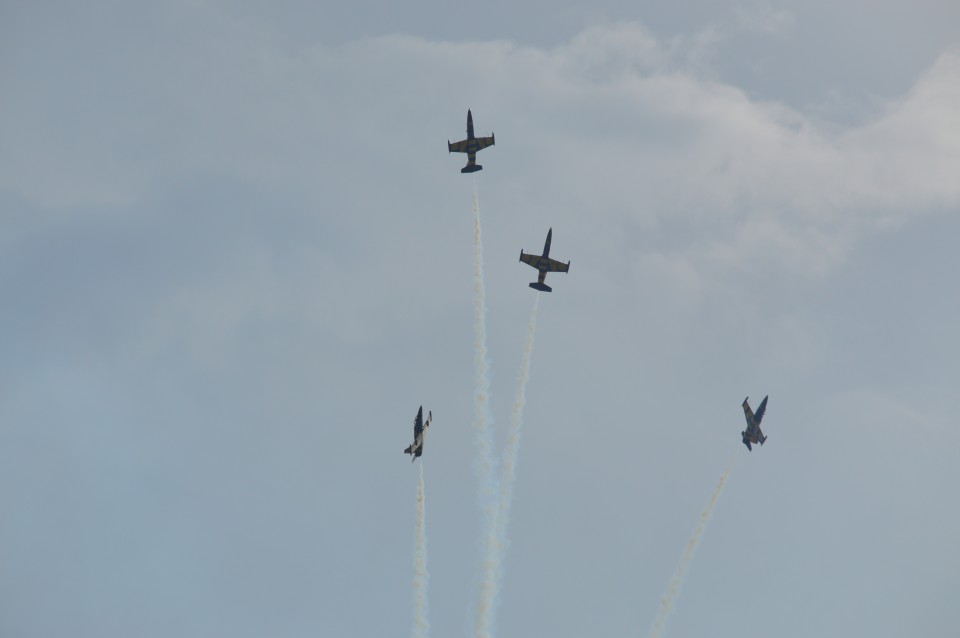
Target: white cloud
{"x":616,"y":125}
{"x":764,"y":18}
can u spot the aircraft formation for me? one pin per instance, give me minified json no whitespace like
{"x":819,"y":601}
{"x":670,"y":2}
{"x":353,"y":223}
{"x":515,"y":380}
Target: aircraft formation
{"x":496,"y":497}
{"x":545,"y":264}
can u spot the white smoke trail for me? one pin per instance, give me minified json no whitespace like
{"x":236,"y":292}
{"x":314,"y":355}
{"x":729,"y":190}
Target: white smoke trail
{"x":485,"y":462}
{"x":509,"y":460}
{"x":674,"y":587}
{"x":421,"y":623}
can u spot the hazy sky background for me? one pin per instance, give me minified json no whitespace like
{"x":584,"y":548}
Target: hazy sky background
{"x":235,"y":259}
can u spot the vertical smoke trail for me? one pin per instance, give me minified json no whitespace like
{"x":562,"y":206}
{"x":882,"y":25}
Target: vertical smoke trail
{"x":509,"y":461}
{"x":421,"y":624}
{"x":674,"y":587}
{"x":485,"y":462}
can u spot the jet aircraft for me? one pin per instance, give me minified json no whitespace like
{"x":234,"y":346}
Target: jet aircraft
{"x":753,"y":433}
{"x":470,"y":146}
{"x":544,"y":264}
{"x":419,"y":431}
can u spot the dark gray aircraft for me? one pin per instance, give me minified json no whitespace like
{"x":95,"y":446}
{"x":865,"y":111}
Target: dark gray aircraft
{"x":544,"y":264}
{"x":470,"y":146}
{"x":753,"y":433}
{"x":419,"y":431}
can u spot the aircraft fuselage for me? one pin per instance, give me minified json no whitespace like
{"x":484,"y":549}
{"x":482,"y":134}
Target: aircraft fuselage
{"x":473,"y":144}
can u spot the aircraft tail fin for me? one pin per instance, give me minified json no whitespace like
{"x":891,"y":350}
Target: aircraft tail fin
{"x":409,"y":450}
{"x":536,"y":285}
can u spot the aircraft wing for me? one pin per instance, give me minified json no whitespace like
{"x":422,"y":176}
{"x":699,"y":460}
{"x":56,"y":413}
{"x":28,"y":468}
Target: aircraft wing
{"x":763,"y":408}
{"x":747,"y":412}
{"x":458,"y":147}
{"x":484,"y":142}
{"x":418,"y":425}
{"x":533,"y":260}
{"x":556,"y":266}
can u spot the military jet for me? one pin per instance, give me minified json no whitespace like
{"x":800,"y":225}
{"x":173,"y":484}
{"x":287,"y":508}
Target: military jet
{"x":419,"y":431}
{"x":470,"y":146}
{"x":753,"y":434}
{"x":544,"y":264}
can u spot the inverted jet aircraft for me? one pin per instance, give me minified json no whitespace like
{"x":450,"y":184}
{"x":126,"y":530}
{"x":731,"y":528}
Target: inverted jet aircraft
{"x":753,"y":434}
{"x":544,"y":264}
{"x":470,"y":146}
{"x":419,"y":431}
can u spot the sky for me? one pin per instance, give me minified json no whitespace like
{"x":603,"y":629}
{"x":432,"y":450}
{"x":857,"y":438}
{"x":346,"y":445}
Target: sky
{"x":234,"y":261}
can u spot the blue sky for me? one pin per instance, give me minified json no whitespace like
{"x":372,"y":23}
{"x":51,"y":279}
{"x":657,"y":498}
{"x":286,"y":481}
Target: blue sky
{"x":235,"y":260}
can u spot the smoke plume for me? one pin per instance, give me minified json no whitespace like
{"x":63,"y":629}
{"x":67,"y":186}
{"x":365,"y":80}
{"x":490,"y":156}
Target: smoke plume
{"x":676,"y":582}
{"x":421,"y":623}
{"x":485,"y":462}
{"x":510,"y":452}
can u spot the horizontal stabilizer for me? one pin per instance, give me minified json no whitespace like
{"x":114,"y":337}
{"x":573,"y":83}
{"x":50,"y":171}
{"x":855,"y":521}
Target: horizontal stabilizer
{"x":471,"y":168}
{"x":536,"y":285}
{"x":409,"y":450}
